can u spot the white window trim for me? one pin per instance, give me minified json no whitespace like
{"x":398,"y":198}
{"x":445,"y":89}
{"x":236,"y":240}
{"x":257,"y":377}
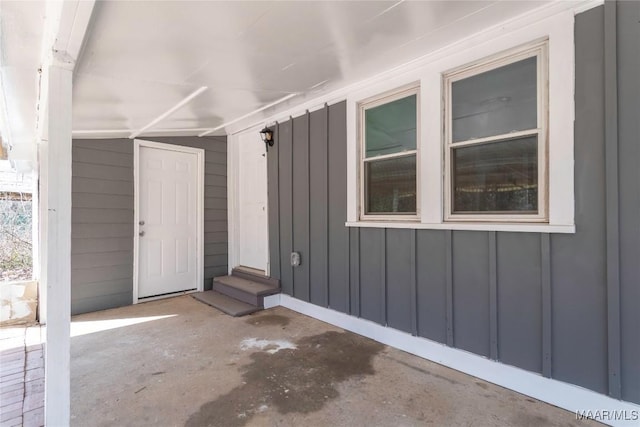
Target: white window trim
{"x":558,"y":29}
{"x":376,"y":101}
{"x":538,"y":50}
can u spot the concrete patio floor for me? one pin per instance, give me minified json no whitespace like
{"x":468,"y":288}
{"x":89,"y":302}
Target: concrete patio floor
{"x":178,"y":362}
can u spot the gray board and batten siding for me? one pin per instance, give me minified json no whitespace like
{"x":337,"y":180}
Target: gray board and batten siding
{"x":547,"y":303}
{"x":628,"y":135}
{"x":102,"y":218}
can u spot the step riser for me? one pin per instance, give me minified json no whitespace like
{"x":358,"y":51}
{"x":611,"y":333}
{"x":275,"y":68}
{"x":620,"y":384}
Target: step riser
{"x":255,"y":278}
{"x":238,"y":294}
{"x":225,"y":311}
{"x":224,"y":306}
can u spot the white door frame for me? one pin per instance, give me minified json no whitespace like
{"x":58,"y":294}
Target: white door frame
{"x":199,"y":152}
{"x":233,"y":199}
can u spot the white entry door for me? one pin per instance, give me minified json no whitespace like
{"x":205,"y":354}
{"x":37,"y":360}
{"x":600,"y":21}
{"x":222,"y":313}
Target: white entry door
{"x":252,"y":202}
{"x":167,"y":220}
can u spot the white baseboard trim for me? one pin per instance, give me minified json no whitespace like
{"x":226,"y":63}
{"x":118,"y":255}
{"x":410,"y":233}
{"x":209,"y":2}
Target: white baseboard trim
{"x":271,"y":301}
{"x":564,"y":395}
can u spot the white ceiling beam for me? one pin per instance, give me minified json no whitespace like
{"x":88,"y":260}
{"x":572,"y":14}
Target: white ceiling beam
{"x":73,"y":28}
{"x":279,"y":101}
{"x":66,"y":26}
{"x":386,"y":10}
{"x":169,"y":112}
{"x":100,"y":131}
{"x":88,"y":132}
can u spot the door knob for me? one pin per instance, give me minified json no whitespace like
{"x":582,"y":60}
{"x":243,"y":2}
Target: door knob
{"x":141,"y":223}
{"x":141,"y":233}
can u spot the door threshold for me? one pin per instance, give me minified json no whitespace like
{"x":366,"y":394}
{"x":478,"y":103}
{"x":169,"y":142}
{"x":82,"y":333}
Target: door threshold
{"x":251,"y":270}
{"x":169,"y":295}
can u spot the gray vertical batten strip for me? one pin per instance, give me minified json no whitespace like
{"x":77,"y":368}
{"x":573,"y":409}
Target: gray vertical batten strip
{"x":545,"y":264}
{"x":348,"y":293}
{"x":383,"y":275}
{"x":449,"y":278}
{"x":356,"y":230}
{"x":493,"y":296}
{"x":308,"y":248}
{"x":277,"y":188}
{"x":612,"y":197}
{"x":326,"y":118}
{"x":414,"y":286}
{"x":293,"y":249}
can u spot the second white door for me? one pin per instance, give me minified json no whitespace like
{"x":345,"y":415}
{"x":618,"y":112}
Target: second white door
{"x":252,"y":203}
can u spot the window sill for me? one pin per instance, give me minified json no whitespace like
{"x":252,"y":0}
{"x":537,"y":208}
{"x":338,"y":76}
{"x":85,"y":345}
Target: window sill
{"x":513,"y":227}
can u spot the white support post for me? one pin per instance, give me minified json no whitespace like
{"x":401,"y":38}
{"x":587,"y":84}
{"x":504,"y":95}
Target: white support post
{"x":57,"y":148}
{"x":35,"y":230}
{"x":43,"y":203}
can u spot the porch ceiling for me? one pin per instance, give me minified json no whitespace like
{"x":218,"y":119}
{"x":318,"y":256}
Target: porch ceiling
{"x":143,"y":58}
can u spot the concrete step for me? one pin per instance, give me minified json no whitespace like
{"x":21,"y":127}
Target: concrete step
{"x":254,"y":276}
{"x":226,"y":304}
{"x":248,"y":291}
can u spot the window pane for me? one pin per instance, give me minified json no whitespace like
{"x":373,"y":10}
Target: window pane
{"x":496,"y":177}
{"x":495,"y":102}
{"x":391,"y":185}
{"x":391,"y":128}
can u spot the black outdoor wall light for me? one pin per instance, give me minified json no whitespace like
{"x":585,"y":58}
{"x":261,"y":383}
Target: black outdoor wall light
{"x":267,"y":137}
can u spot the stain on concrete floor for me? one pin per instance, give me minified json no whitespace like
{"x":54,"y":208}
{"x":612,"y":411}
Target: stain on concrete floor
{"x":182,"y":362}
{"x":262,"y":319}
{"x":298,"y":380}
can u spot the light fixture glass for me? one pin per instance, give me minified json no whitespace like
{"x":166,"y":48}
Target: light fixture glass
{"x":267,"y":136}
